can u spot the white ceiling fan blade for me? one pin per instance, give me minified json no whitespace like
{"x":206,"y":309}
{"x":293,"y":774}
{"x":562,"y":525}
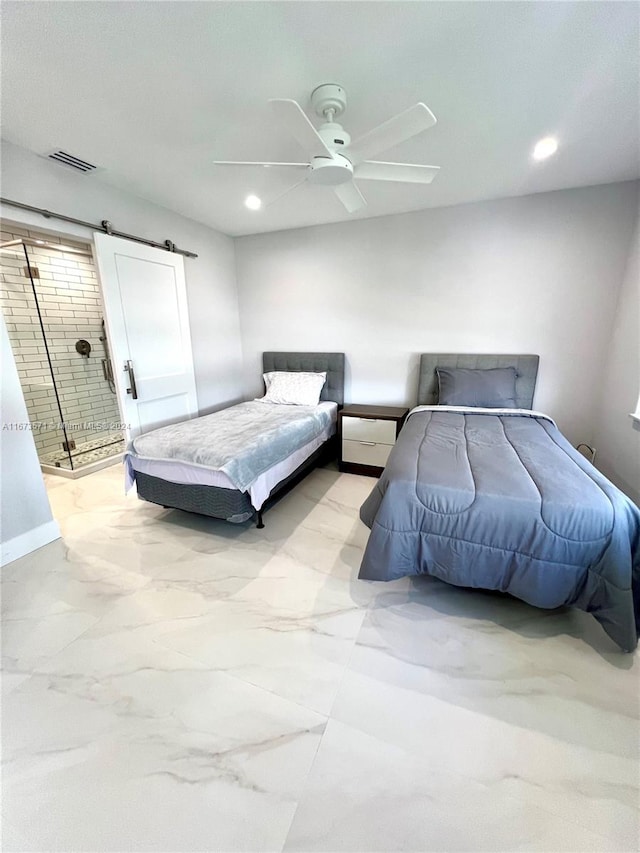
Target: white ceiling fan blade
{"x":252,"y":163}
{"x":350,"y":196}
{"x":399,"y":128}
{"x":280,"y":195}
{"x":406,"y":173}
{"x":291,"y":114}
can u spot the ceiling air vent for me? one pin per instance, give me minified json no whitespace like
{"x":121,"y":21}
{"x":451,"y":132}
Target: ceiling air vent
{"x":71,"y":160}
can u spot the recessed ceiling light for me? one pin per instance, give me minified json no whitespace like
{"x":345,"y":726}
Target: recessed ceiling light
{"x":253,"y":202}
{"x":545,"y":148}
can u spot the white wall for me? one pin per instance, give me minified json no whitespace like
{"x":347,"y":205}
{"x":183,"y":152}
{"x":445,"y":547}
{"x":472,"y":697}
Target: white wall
{"x":211,"y":277}
{"x":537,"y":274}
{"x":617,"y":437}
{"x":26,"y":522}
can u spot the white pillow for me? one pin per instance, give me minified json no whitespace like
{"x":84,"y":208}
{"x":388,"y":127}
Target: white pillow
{"x":293,"y":388}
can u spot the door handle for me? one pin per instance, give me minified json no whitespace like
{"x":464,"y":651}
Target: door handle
{"x":128,"y":366}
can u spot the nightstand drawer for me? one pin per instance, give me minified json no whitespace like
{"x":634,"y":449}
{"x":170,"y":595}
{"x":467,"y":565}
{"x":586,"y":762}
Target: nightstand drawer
{"x":365,"y":429}
{"x":365,"y":453}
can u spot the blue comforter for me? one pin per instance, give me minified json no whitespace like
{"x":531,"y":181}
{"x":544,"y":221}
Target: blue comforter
{"x":503,"y":501}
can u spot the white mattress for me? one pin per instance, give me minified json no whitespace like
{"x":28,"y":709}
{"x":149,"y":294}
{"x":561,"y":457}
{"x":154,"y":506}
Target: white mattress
{"x":183,"y":472}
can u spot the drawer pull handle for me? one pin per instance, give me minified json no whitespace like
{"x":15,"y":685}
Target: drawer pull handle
{"x":371,"y":420}
{"x":368,"y":443}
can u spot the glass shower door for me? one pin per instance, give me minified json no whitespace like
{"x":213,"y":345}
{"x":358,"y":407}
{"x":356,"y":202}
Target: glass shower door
{"x":53,"y":310}
{"x":68,"y":292}
{"x":33,"y":359}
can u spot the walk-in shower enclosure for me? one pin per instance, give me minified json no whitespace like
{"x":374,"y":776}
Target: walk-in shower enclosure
{"x":52,"y":308}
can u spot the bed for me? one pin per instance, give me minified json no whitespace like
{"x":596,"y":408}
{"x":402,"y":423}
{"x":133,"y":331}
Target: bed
{"x":497,"y":498}
{"x":234,"y":464}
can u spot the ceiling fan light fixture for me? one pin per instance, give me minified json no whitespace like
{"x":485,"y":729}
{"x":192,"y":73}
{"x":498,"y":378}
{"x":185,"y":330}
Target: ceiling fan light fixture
{"x":330,"y":171}
{"x":253,"y":202}
{"x":544,"y":148}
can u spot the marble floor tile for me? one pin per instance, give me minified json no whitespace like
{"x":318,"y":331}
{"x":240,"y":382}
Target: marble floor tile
{"x":177,"y":683}
{"x":593,"y":787}
{"x":154,"y":759}
{"x":12,"y":840}
{"x":365,"y":795}
{"x":28,"y":642}
{"x":301,"y":658}
{"x":61,"y":579}
{"x":497,"y":656}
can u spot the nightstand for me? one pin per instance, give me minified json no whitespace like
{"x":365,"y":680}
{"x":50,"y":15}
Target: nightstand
{"x":367,"y":434}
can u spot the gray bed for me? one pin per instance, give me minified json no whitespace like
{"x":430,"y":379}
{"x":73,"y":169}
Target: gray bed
{"x":235,"y":504}
{"x":504,"y":502}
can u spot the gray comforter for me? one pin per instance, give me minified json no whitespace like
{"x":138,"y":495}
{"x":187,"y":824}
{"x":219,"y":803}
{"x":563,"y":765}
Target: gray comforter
{"x":504,"y":502}
{"x":243,"y":441}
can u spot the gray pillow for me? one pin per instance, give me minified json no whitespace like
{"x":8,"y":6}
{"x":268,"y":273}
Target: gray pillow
{"x":465,"y":386}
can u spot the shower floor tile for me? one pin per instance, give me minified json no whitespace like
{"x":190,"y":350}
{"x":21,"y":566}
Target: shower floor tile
{"x":86,"y":453}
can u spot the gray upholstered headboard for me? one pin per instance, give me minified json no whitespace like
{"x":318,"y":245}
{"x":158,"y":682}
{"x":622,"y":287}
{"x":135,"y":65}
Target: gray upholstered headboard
{"x":314,"y":362}
{"x":526,"y":372}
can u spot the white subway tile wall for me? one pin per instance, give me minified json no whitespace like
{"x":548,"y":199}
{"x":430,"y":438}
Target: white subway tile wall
{"x":71,"y":309}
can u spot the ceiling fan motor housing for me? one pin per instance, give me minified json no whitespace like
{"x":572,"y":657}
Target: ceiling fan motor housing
{"x":330,"y":172}
{"x":334,"y":136}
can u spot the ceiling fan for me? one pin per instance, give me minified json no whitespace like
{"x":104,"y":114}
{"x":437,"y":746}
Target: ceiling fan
{"x":334,"y":159}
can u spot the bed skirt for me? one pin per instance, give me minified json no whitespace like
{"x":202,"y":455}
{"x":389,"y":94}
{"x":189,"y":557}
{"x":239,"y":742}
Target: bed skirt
{"x":226,"y":504}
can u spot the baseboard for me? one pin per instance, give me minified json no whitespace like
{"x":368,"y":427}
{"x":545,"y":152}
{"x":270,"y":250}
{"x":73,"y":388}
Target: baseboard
{"x":27,"y":542}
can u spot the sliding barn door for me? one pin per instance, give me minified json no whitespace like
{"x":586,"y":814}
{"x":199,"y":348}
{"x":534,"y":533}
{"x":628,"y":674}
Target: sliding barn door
{"x":145,"y":301}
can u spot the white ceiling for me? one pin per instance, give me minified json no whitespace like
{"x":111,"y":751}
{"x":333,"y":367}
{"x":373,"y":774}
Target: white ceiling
{"x":154,"y":92}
